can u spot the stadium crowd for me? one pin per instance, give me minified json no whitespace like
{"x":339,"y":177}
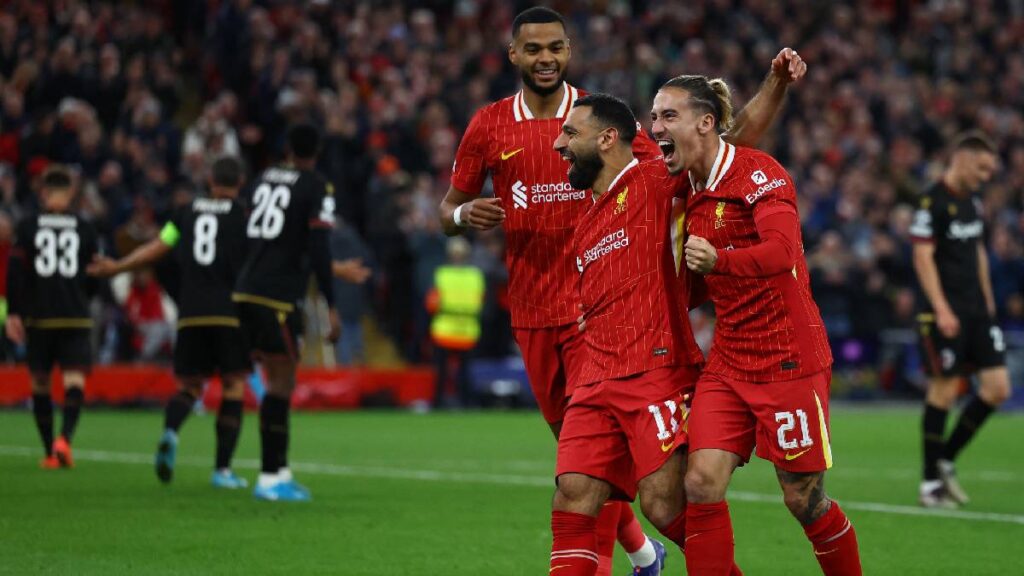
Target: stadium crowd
{"x":139,"y":98}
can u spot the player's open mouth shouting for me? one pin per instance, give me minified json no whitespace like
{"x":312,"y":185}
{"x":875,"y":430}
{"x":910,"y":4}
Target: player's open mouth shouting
{"x":668,"y":148}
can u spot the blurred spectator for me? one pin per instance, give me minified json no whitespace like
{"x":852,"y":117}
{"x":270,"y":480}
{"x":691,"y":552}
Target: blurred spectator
{"x":154,"y":333}
{"x":351,"y":258}
{"x":139,"y":99}
{"x":455,"y":300}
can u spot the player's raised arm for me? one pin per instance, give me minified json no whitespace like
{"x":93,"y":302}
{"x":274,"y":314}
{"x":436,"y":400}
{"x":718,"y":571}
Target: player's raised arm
{"x":755,"y":118}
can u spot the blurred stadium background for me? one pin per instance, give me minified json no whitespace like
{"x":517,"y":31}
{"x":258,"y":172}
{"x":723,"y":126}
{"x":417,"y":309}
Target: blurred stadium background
{"x":138,"y":96}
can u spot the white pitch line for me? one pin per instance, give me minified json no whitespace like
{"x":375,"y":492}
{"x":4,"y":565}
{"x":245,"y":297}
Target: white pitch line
{"x":499,"y":479}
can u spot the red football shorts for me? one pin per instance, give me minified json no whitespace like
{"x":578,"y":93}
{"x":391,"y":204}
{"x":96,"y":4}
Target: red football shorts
{"x":551,"y":355}
{"x":623,"y":430}
{"x":787,"y":421}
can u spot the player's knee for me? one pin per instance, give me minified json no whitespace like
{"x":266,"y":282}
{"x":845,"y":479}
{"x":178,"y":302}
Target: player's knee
{"x":797,"y":502}
{"x":580,"y":494}
{"x":942,"y":393}
{"x":40,"y":384}
{"x":193,"y":388}
{"x":704,"y":485}
{"x":233,"y":388}
{"x":659,"y":509}
{"x":995,"y":395}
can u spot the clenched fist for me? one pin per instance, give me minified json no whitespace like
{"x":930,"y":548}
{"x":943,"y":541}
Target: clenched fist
{"x":701,"y":256}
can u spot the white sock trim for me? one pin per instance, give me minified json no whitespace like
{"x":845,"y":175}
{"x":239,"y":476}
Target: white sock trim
{"x":645,"y":556}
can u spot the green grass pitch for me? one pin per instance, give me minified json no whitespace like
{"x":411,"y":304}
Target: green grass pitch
{"x":440,"y":494}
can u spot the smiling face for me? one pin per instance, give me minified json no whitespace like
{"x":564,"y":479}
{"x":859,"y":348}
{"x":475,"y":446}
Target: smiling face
{"x":680,"y":128}
{"x":541,"y":53}
{"x":578,"y":145}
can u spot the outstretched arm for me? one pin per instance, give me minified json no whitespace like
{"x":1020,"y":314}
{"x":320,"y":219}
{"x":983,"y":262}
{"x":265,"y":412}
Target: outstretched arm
{"x":155,"y":249}
{"x":755,"y":118}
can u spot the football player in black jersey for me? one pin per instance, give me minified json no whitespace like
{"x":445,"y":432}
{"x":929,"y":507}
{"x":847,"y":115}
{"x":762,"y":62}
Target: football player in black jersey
{"x":208,"y":239}
{"x":292,"y":212}
{"x":959,"y":333}
{"x":48,"y":298}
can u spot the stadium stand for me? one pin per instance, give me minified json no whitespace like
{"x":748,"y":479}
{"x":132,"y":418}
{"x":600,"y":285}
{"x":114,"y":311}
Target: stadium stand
{"x":138,"y":97}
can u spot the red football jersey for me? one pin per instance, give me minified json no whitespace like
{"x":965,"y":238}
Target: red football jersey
{"x":541,"y":208}
{"x":633,"y":284}
{"x":768,"y":329}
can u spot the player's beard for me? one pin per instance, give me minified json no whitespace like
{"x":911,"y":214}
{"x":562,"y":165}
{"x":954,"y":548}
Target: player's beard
{"x":584,"y":171}
{"x":527,"y":76}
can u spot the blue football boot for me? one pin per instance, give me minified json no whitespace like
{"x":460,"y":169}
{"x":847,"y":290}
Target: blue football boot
{"x":166,"y":450}
{"x":657,"y":566}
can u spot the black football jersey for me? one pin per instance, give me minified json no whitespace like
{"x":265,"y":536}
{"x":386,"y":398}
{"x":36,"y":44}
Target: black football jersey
{"x":285,"y":204}
{"x":210,"y":250}
{"x":953,"y":223}
{"x":51,"y":252}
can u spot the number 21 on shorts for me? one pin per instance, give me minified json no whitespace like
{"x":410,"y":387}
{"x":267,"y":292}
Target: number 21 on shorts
{"x":787,"y":423}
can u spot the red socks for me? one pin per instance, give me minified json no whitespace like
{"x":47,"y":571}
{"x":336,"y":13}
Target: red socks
{"x":710,"y":545}
{"x":835,"y":543}
{"x":676,"y":531}
{"x":630,"y":534}
{"x":709,"y":540}
{"x":608,"y":520}
{"x":574,"y":544}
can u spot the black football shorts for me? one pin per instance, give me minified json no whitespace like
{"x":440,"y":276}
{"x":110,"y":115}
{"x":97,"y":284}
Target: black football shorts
{"x":271,"y":330}
{"x":208,"y":350}
{"x":69,"y":348}
{"x":978,"y":346}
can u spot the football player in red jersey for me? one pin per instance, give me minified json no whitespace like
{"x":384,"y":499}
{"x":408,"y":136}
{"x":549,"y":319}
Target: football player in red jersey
{"x":625,"y":427}
{"x":538,"y":209}
{"x":767,"y":379}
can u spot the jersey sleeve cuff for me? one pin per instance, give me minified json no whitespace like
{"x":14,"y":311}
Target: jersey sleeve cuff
{"x":467,"y":186}
{"x":722,"y":263}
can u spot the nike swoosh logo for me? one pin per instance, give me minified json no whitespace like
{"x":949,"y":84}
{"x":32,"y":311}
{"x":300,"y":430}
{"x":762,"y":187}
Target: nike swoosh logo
{"x":553,"y":568}
{"x":667,"y":447}
{"x":816,"y":553}
{"x":687,"y":539}
{"x":507,"y":155}
{"x":797,"y":455}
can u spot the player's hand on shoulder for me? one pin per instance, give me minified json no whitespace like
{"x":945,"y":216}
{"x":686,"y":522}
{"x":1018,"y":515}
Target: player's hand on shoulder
{"x":101,"y":266}
{"x":788,"y":66}
{"x":701,"y":256}
{"x":948,"y":323}
{"x":483,"y":213}
{"x":15,"y":329}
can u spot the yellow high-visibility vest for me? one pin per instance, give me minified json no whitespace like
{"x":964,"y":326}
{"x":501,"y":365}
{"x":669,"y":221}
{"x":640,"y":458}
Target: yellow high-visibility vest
{"x":460,"y":290}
